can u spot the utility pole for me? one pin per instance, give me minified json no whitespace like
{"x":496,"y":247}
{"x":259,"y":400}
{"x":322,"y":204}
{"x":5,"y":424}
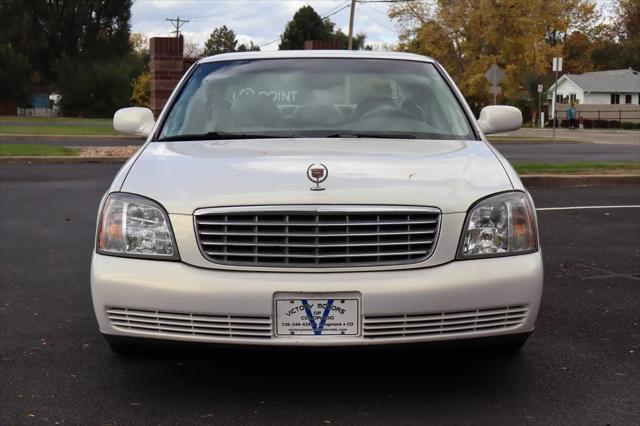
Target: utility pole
{"x":177,"y":24}
{"x":353,"y":10}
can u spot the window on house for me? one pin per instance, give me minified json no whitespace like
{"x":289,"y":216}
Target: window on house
{"x":559,"y":99}
{"x":627,"y":99}
{"x":572,"y":98}
{"x":615,"y":99}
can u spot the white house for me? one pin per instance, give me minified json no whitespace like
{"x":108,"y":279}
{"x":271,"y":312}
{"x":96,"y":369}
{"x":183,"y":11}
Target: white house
{"x":598,"y":88}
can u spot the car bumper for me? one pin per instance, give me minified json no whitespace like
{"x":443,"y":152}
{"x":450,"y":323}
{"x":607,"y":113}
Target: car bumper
{"x":455,"y":301}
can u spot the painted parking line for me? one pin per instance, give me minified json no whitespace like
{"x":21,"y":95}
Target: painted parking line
{"x":632,"y":206}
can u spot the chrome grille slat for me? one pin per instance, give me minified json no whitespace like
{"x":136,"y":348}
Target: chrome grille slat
{"x":378,"y":327}
{"x":435,"y":323}
{"x":190,"y":324}
{"x":398,"y":243}
{"x":221,"y":223}
{"x":302,"y":256}
{"x":317,"y":236}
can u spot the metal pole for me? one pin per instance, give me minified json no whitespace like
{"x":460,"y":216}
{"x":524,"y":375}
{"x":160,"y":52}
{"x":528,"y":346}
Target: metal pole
{"x":540,"y":108}
{"x":353,"y":10}
{"x":555,"y":101}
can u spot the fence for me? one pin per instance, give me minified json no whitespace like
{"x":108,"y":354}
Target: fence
{"x":622,"y":119}
{"x":37,"y":112}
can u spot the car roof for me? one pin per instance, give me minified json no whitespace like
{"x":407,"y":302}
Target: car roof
{"x":282,"y":54}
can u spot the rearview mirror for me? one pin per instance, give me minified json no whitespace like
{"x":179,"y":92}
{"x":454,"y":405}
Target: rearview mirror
{"x":499,"y":118}
{"x":135,"y":120}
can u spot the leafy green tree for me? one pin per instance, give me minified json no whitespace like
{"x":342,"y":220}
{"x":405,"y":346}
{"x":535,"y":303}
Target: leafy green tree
{"x":81,"y":46}
{"x":45,"y":31}
{"x":305,"y":25}
{"x":221,"y":40}
{"x":94,"y":89}
{"x":358,"y":41}
{"x":15,"y":81}
{"x":251,"y":47}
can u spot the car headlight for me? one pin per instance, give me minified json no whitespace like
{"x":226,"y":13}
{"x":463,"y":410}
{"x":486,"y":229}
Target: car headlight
{"x":134,"y":226}
{"x":502,"y":225}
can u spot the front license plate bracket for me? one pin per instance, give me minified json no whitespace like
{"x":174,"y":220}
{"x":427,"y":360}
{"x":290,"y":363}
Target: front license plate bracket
{"x":314,"y":315}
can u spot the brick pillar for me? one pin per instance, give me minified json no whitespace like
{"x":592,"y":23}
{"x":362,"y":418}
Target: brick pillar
{"x":331,"y":44}
{"x":166,"y":69}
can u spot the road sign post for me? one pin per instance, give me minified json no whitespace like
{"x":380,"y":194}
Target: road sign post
{"x":556,"y":66}
{"x":540,"y":89}
{"x":494,"y":75}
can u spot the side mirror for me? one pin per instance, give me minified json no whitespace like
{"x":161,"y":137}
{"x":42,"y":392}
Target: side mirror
{"x":499,"y":118}
{"x":135,"y":120}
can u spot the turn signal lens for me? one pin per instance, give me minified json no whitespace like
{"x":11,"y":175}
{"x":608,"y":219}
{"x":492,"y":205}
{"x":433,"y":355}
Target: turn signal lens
{"x":502,"y":225}
{"x":135,"y":226}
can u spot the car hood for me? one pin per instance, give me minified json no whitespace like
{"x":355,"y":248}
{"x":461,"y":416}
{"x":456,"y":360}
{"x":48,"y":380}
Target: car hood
{"x":185,"y":176}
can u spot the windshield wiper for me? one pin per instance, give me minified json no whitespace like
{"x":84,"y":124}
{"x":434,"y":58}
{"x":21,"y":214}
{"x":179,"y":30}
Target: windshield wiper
{"x":379,"y":135}
{"x":222,"y":135}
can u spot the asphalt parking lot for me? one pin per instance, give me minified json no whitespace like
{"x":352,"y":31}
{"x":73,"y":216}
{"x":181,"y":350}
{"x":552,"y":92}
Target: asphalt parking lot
{"x":581,"y":366}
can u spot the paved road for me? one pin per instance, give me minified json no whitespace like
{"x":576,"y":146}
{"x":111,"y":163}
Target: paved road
{"x":628,"y":137}
{"x":580,"y":366}
{"x":567,"y":152}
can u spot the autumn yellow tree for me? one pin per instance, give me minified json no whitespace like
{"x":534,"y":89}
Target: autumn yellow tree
{"x":141,"y":90}
{"x":468,"y":36}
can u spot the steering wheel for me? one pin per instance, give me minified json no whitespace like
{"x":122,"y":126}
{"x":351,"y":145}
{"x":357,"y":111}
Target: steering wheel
{"x":388,"y":112}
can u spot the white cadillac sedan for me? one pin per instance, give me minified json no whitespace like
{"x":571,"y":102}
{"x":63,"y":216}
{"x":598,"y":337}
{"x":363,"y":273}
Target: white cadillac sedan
{"x":317,"y":198}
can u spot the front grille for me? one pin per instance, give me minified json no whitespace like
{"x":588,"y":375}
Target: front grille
{"x":317,"y":236}
{"x":382,"y":327}
{"x":175,"y":323}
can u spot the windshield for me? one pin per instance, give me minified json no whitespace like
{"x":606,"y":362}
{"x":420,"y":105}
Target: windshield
{"x":316,"y":97}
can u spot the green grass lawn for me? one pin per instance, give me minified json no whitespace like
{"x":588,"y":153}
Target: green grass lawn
{"x":575,"y":168}
{"x":57,"y":126}
{"x":18,"y":150}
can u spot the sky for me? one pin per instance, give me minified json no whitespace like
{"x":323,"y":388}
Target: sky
{"x":261,"y":21}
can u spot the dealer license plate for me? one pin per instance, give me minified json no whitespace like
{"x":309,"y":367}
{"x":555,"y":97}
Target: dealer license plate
{"x":313,"y":316}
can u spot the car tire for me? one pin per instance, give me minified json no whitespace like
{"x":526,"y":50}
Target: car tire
{"x":510,"y":347}
{"x":123,"y":347}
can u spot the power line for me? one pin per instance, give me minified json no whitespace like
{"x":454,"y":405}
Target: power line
{"x":378,"y":22}
{"x":177,"y":24}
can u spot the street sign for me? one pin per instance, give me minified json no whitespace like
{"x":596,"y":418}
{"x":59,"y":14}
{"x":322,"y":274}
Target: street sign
{"x":540,"y":88}
{"x":557,"y":64}
{"x":494,"y":75}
